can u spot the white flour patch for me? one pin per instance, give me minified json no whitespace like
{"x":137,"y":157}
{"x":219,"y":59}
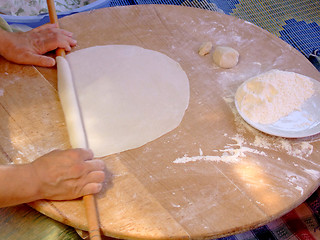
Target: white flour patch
{"x":297,"y":181}
{"x":299,"y":189}
{"x":232,"y":153}
{"x":260,"y":203}
{"x":1,"y":92}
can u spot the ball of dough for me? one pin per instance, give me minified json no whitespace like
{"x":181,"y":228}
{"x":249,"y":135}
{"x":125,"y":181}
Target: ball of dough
{"x":205,"y":48}
{"x":225,"y":57}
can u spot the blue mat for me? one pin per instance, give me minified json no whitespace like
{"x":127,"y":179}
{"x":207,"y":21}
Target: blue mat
{"x":296,"y":22}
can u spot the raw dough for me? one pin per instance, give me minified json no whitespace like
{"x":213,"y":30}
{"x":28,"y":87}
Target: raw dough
{"x":225,"y":57}
{"x":205,"y":48}
{"x":272,"y":95}
{"x":70,"y":105}
{"x":128,"y":95}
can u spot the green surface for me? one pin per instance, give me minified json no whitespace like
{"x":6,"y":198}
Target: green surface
{"x":23,"y":222}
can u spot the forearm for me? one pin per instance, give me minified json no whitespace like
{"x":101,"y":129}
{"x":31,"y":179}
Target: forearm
{"x":58,"y":175}
{"x":17,"y":185}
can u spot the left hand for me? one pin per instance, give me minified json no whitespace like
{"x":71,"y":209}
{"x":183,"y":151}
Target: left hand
{"x":29,"y":47}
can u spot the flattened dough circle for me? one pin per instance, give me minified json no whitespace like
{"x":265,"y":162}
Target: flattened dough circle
{"x":128,"y":95}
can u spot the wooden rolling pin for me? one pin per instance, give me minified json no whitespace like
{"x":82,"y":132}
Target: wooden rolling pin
{"x":89,"y":200}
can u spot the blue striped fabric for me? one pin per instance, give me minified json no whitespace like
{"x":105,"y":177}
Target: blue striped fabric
{"x":305,"y":37}
{"x":302,"y":223}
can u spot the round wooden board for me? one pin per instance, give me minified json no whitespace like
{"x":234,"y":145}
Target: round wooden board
{"x":253,"y":178}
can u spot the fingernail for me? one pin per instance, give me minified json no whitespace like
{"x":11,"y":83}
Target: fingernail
{"x":50,"y":62}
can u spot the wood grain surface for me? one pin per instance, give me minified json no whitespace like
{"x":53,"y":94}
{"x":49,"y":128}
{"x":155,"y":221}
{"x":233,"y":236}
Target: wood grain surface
{"x":254,"y":177}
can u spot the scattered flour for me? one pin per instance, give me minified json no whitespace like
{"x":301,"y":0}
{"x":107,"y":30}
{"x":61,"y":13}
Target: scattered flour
{"x":314,"y":174}
{"x":296,"y":149}
{"x":300,"y":189}
{"x":232,"y":153}
{"x":272,"y":95}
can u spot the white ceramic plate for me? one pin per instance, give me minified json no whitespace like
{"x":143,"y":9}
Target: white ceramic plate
{"x":297,"y":124}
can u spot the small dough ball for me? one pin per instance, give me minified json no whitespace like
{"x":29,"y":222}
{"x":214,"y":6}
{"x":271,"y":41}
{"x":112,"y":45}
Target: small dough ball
{"x":205,"y":48}
{"x":225,"y":57}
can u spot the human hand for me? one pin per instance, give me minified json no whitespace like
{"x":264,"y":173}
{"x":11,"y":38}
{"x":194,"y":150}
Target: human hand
{"x":68,"y":174}
{"x":29,"y":47}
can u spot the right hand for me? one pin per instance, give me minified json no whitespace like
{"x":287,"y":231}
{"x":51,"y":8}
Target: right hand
{"x":68,"y":174}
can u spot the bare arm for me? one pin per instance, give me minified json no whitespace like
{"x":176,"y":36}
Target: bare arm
{"x":59,"y":175}
{"x":29,"y":47}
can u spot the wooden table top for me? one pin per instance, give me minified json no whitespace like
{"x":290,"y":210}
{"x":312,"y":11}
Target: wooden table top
{"x":252,"y":179}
